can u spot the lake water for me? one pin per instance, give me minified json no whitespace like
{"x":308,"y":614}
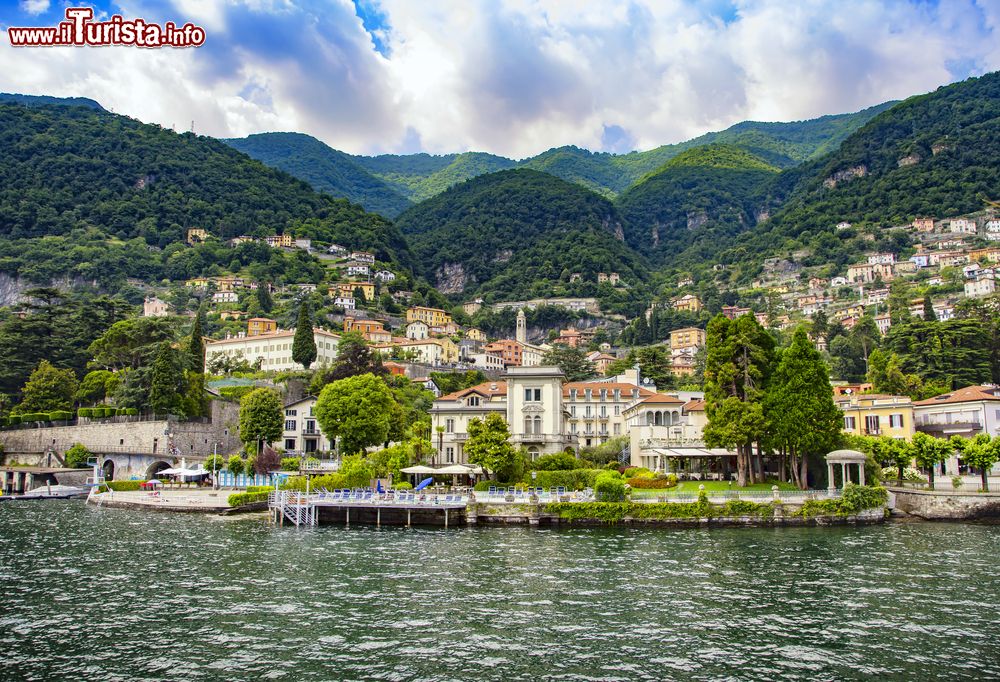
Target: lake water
{"x":118,"y":595}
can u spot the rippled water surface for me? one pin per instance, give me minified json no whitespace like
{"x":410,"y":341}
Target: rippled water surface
{"x":119,"y":595}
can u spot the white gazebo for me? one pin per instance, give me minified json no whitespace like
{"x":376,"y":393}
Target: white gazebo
{"x":845,"y":458}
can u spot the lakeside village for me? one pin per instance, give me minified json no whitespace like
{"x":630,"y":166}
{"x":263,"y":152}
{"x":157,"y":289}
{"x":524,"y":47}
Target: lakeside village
{"x":719,"y":421}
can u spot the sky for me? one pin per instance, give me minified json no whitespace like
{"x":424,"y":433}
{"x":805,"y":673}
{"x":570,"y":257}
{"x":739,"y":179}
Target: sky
{"x":510,"y":77}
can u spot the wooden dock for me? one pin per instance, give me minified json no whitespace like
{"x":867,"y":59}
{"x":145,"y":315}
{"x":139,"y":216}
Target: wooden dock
{"x":300,"y":509}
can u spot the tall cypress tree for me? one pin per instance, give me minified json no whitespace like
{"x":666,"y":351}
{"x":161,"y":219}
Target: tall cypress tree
{"x":303,"y":344}
{"x":165,"y":380}
{"x":196,"y":345}
{"x":264,"y":299}
{"x":929,"y":314}
{"x":804,"y":420}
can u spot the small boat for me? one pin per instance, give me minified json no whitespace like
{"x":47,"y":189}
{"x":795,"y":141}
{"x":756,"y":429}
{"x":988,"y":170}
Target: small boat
{"x":50,"y":492}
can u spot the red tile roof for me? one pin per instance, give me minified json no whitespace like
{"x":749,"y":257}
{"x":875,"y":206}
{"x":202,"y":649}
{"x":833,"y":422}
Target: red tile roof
{"x":695,"y":406}
{"x":487,"y":389}
{"x":969,"y":394}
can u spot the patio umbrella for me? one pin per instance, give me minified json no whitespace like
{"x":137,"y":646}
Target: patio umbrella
{"x":423,"y":484}
{"x":455,"y":470}
{"x":419,"y":469}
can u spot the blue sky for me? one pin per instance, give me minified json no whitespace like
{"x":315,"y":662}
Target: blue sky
{"x":512,"y":77}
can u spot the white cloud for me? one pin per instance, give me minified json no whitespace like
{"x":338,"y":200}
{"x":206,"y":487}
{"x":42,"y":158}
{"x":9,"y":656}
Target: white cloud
{"x":35,"y":6}
{"x":516,"y":77}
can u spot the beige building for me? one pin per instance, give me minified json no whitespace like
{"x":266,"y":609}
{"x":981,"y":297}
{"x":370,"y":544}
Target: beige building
{"x":274,"y":350}
{"x":154,"y":307}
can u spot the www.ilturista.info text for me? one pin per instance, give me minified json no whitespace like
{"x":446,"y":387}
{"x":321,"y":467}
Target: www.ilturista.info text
{"x":80,"y":29}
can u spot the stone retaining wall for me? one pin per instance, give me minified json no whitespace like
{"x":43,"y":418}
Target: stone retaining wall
{"x":947,"y":505}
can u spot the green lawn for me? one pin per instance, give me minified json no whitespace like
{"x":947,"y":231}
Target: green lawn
{"x":711,"y":486}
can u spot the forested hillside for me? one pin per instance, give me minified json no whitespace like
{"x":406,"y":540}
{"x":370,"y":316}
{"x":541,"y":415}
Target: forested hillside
{"x":387,"y":183}
{"x":932,"y":155}
{"x":326,"y":169}
{"x":43,"y":100}
{"x":701,"y":195}
{"x":519,"y":233}
{"x":107,"y":183}
{"x":421,"y":176}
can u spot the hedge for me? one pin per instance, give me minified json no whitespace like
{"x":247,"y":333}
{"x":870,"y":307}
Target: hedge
{"x":483,"y":486}
{"x":60,"y":416}
{"x":402,"y":485}
{"x":572,"y":479}
{"x":259,"y":488}
{"x":609,"y":486}
{"x":289,"y":463}
{"x":13,"y":420}
{"x":659,"y":483}
{"x":121,"y":486}
{"x":853,"y":499}
{"x":613,"y":512}
{"x":241,"y":499}
{"x":85,"y":412}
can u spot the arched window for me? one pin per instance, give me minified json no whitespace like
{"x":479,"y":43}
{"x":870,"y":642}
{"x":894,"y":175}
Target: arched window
{"x":538,"y":425}
{"x":649,"y":419}
{"x":527,"y":425}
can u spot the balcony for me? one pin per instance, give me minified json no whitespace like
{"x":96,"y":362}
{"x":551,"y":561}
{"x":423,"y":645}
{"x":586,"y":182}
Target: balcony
{"x":875,"y":431}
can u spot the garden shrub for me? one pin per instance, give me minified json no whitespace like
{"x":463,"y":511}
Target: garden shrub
{"x":575,"y":479}
{"x":241,"y":499}
{"x":122,"y":486}
{"x":558,"y":461}
{"x":483,"y":486}
{"x":132,"y":411}
{"x":609,"y":487}
{"x":289,"y":463}
{"x":235,"y":392}
{"x":85,"y":412}
{"x":60,"y":416}
{"x":259,"y":488}
{"x":76,"y":457}
{"x":13,"y":420}
{"x":402,"y":485}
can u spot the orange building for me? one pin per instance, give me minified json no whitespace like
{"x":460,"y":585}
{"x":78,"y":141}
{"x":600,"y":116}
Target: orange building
{"x":509,"y":351}
{"x":569,"y":337}
{"x":261,"y":325}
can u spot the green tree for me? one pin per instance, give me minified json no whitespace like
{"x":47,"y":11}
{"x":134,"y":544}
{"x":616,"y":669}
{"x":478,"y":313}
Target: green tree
{"x":304,"y":343}
{"x":929,"y":452}
{"x":356,"y":410}
{"x":804,"y":420}
{"x":889,"y":451}
{"x":235,"y":465}
{"x":655,"y":364}
{"x":489,"y":446}
{"x":354,"y":357}
{"x":131,"y":343}
{"x":166,"y":383}
{"x":738,"y":366}
{"x":96,"y":386}
{"x":981,"y":452}
{"x":572,"y":361}
{"x":48,"y":389}
{"x":261,"y":418}
{"x":263,"y":295}
{"x":77,"y":456}
{"x":196,"y":344}
{"x":929,"y":314}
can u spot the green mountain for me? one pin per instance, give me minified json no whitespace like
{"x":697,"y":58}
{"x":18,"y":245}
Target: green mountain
{"x":76,"y":177}
{"x":936,"y":155}
{"x":594,"y":170}
{"x":387,"y":183}
{"x":699,"y":195}
{"x":43,"y":100}
{"x":326,"y":169}
{"x":519,"y":234}
{"x":421,"y":176}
